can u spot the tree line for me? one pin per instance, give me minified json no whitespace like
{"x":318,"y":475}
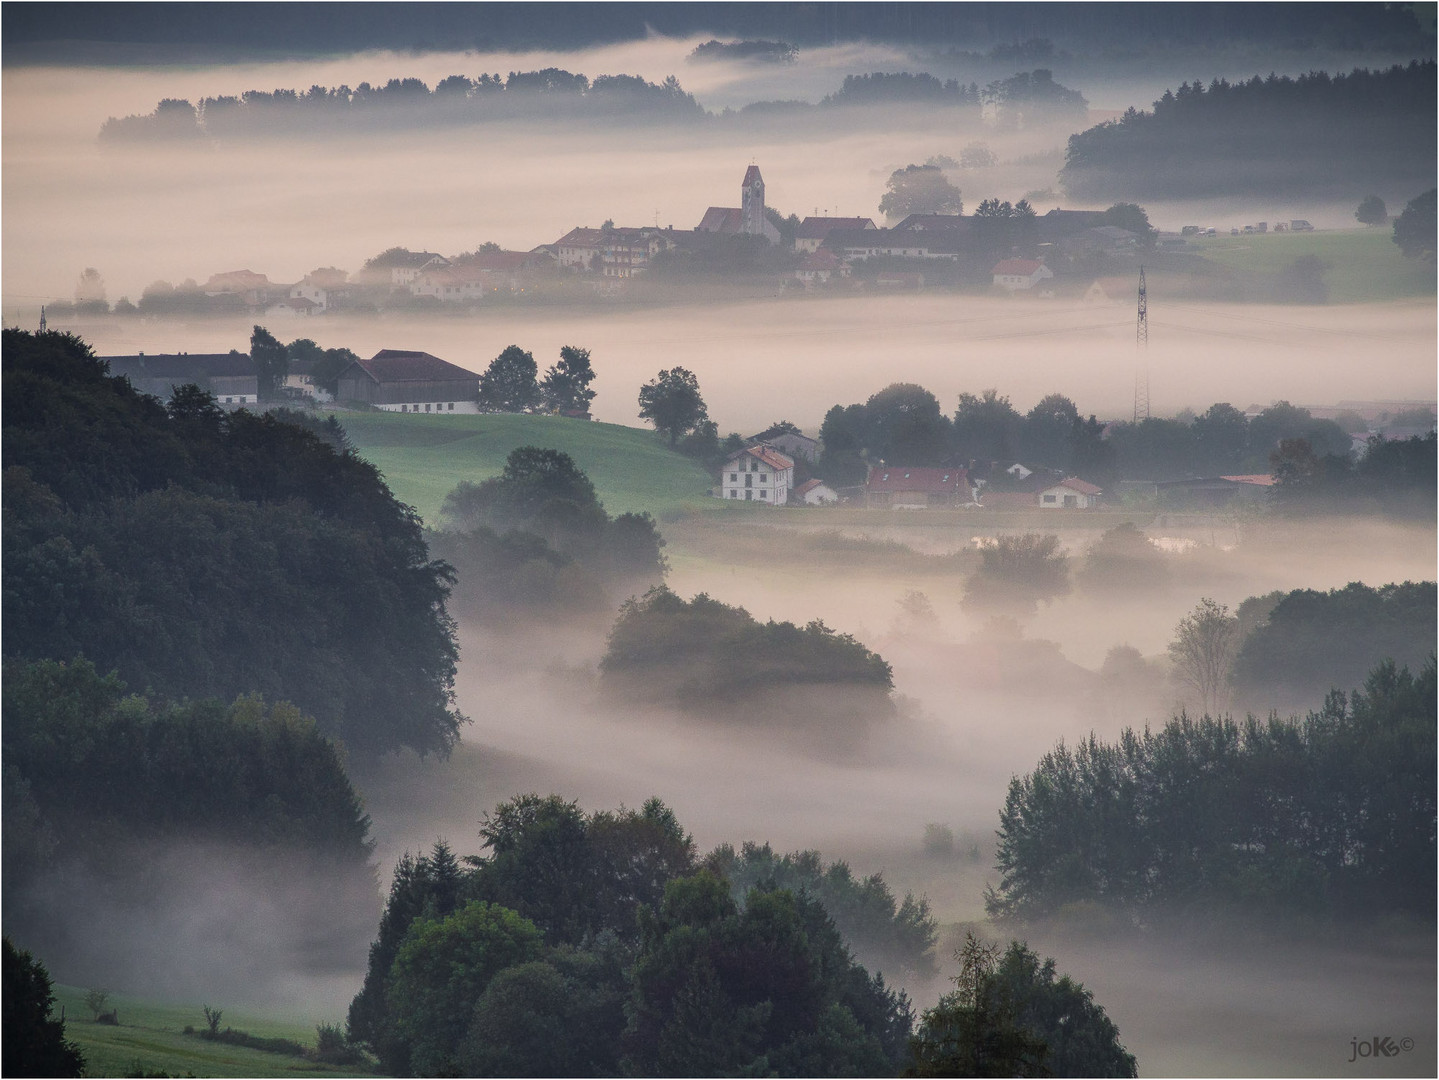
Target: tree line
{"x":288,"y":568}
{"x":594,"y":944}
{"x":904,"y":424}
{"x":553,"y":94}
{"x":1320,"y":132}
{"x":456,"y":99}
{"x":1323,"y":818}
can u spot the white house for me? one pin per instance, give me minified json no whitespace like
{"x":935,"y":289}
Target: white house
{"x":815,"y":493}
{"x":757,"y":474}
{"x":1073,"y":494}
{"x":1015,"y":274}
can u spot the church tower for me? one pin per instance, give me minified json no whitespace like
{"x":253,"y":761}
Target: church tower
{"x":752,"y":220}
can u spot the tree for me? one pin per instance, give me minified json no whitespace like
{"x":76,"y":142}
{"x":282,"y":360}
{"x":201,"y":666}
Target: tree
{"x":1202,"y":653}
{"x":566,"y":385}
{"x":1131,"y":216}
{"x":442,"y":968}
{"x":1048,"y":431}
{"x":34,"y":1043}
{"x":1221,"y":435}
{"x":672,"y":402}
{"x":1011,"y":1015}
{"x":1372,"y":211}
{"x":977,"y":155}
{"x":272,"y":362}
{"x":509,"y":383}
{"x":1018,"y":573}
{"x":919,"y":189}
{"x":1123,"y":560}
{"x":904,"y":426}
{"x":986,"y":428}
{"x":1414,"y":229}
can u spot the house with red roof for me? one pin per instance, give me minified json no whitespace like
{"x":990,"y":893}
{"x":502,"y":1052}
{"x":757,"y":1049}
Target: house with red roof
{"x":1015,"y":274}
{"x":814,"y":493}
{"x":911,"y":487}
{"x":1072,"y":494}
{"x":402,"y":380}
{"x":757,"y":474}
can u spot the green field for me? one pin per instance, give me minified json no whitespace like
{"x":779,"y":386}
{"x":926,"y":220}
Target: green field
{"x":423,"y":457}
{"x":1364,"y":264}
{"x":152,"y":1035}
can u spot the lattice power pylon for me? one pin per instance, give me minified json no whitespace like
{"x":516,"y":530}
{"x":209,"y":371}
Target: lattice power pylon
{"x":1141,"y":340}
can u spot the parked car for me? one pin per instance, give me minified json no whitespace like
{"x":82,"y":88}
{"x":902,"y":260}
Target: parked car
{"x":1300,"y":225}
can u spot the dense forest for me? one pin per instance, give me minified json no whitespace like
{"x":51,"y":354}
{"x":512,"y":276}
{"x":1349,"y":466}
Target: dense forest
{"x":1314,"y":134}
{"x":289,"y":569}
{"x":1208,"y":820}
{"x":600,"y":944}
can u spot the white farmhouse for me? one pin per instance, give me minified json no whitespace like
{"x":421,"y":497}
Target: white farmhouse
{"x":1020,"y":273}
{"x":758,"y":474}
{"x":1074,"y":494}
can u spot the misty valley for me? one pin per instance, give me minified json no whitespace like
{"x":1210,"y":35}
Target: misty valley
{"x":984,"y":626}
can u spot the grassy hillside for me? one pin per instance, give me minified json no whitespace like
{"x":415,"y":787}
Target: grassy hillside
{"x":423,"y":457}
{"x":1364,"y":264}
{"x":152,"y":1037}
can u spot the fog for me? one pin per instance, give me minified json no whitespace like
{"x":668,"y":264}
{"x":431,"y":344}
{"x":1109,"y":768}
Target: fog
{"x":978,"y":704}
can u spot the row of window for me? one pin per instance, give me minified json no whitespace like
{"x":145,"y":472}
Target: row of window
{"x":439,"y":407}
{"x":748,"y":494}
{"x":763,"y":477}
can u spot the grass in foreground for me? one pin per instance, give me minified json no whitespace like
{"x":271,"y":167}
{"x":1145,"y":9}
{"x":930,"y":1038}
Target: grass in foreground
{"x":151,"y":1036}
{"x":424,"y":457}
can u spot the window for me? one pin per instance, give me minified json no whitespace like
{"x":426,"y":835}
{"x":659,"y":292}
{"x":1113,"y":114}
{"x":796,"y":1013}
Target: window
{"x":427,"y":406}
{"x":749,"y":495}
{"x":748,"y":480}
{"x":764,"y":494}
{"x":733,"y":477}
{"x":1049,"y":498}
{"x":404,"y":408}
{"x":1071,"y":500}
{"x":452,"y":406}
{"x":764,"y":478}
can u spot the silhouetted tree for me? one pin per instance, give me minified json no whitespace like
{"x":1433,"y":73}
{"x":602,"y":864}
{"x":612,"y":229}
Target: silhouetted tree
{"x":672,"y":402}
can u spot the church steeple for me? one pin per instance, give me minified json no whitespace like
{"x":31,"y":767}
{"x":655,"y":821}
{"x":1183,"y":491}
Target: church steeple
{"x":752,"y":203}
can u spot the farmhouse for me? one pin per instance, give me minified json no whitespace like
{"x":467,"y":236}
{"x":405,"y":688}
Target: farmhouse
{"x":230,"y":377}
{"x":1015,"y":274}
{"x":398,"y":380}
{"x":1073,"y":494}
{"x":759,"y":474}
{"x":815,"y":493}
{"x":915,"y":487}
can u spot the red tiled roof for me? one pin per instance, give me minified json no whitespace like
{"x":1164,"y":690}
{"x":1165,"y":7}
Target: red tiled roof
{"x":1022,"y":267}
{"x":918,"y":478}
{"x":768,"y":454}
{"x":401,"y":365}
{"x":582,"y":238}
{"x":805,"y":488}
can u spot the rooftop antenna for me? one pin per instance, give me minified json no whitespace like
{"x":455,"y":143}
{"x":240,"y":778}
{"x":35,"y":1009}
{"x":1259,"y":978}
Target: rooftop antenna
{"x":1141,"y":341}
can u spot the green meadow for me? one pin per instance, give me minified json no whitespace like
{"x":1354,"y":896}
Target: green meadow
{"x":1365,"y":265}
{"x":424,"y":457}
{"x":150,"y":1036}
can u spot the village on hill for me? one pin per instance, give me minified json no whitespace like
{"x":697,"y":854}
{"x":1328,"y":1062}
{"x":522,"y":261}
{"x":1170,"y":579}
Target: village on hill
{"x":999,"y":249}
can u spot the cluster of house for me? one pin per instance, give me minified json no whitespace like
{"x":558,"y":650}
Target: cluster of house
{"x":829,"y":246}
{"x":763,"y":472}
{"x":393,"y":380}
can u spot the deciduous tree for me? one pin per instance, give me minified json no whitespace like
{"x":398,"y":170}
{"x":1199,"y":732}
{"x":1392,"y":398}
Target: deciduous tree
{"x":672,"y":402}
{"x":509,"y":384}
{"x":1202,"y":652}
